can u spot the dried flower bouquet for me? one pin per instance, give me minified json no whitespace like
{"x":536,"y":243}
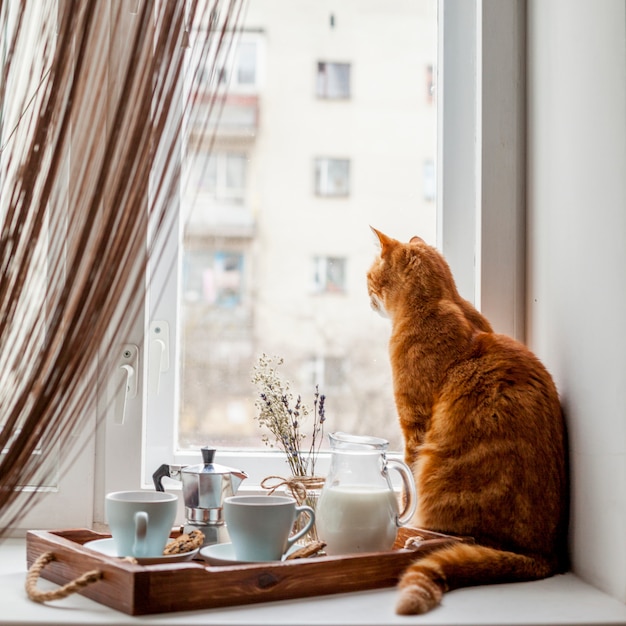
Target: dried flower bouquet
{"x":283,"y":417}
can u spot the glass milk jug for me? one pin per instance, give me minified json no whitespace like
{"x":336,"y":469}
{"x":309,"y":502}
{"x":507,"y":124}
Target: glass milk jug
{"x":358,"y":509}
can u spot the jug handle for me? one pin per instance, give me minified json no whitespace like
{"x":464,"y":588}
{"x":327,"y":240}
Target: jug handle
{"x":408,"y":483}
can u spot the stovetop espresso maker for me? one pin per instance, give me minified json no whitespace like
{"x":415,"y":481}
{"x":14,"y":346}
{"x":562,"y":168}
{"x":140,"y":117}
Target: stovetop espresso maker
{"x":205,"y":487}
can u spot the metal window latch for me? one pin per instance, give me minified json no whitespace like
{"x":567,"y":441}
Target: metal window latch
{"x":159,"y":357}
{"x":126,"y":381}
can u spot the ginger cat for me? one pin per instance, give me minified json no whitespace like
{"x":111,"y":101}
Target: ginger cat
{"x":483,"y":432}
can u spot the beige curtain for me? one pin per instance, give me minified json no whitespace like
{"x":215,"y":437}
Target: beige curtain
{"x":92,"y":123}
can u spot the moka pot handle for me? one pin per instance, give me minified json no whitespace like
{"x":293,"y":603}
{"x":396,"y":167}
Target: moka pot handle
{"x":166,"y":471}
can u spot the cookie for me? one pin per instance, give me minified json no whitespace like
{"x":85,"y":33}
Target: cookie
{"x":185,"y":543}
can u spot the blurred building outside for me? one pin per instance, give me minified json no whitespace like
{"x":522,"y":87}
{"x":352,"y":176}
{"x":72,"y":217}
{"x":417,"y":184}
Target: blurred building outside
{"x":328,"y":127}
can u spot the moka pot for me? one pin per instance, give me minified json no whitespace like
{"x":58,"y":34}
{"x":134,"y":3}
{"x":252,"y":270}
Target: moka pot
{"x":205,"y":487}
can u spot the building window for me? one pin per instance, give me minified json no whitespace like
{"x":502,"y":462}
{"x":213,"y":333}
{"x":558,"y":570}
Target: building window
{"x":430,"y":84}
{"x":333,"y":80}
{"x":246,"y":64}
{"x":329,"y":274}
{"x":327,"y":372}
{"x":213,"y":278}
{"x":222,"y":175}
{"x":332,"y":177}
{"x":240,"y":71}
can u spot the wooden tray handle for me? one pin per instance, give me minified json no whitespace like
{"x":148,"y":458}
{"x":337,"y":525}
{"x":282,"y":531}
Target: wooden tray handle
{"x":62,"y":592}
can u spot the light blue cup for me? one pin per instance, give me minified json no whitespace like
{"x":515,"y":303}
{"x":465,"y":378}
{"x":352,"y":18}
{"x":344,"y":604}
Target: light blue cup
{"x":260,"y":526}
{"x":140,"y":521}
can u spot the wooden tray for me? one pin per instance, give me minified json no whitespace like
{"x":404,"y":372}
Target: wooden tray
{"x":192,"y":585}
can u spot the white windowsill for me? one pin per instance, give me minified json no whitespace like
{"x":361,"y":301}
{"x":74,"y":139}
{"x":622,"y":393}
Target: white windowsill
{"x":559,"y":600}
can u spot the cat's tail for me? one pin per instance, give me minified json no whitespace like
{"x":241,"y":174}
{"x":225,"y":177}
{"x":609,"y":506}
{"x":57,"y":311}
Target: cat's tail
{"x":462,"y":565}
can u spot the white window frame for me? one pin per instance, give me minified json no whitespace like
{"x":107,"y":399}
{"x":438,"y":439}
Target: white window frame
{"x":480,"y":198}
{"x":479,"y":193}
{"x":62,"y":500}
{"x":481,"y":155}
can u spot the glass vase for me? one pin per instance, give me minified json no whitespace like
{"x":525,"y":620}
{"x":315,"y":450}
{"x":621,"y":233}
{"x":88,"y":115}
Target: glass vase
{"x":306,"y":491}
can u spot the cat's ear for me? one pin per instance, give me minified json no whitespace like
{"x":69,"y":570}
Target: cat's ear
{"x":416,"y":239}
{"x":384,"y":241}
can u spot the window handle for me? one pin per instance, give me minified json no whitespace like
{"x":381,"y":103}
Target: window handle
{"x":159,"y":362}
{"x":126,"y":383}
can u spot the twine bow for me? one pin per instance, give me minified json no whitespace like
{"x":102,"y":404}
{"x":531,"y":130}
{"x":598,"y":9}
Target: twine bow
{"x":297,"y":485}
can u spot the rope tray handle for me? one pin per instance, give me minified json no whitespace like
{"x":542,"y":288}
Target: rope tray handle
{"x":62,"y":592}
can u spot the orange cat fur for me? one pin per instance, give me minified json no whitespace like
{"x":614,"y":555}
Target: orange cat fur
{"x":483,"y":432}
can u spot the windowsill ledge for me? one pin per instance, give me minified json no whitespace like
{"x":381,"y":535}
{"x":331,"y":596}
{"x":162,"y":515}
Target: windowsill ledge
{"x":559,"y":600}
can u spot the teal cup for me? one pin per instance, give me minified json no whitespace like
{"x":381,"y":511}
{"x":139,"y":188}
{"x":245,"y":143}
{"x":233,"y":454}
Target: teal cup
{"x":140,"y":521}
{"x":260,"y":526}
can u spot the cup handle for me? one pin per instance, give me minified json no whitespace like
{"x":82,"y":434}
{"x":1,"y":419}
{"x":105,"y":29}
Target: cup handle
{"x":305,"y":529}
{"x":141,"y":530}
{"x":408,"y":482}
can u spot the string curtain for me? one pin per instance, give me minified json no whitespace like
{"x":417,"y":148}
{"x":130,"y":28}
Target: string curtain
{"x":95,"y":101}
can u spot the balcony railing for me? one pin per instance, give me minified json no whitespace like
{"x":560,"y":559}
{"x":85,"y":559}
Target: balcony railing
{"x":232,"y":115}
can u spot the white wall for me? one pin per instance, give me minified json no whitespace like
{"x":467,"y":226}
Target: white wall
{"x":577,"y":257}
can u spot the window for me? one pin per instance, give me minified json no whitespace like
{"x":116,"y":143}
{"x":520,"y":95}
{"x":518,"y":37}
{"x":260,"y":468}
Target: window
{"x":333,"y":80}
{"x":223,"y":412}
{"x":213,"y":278}
{"x":298,"y":253}
{"x":239,"y":70}
{"x":284,"y":278}
{"x":332,"y":177}
{"x":221,"y":175}
{"x":327,"y":372}
{"x":329,"y":275}
{"x":246,"y":63}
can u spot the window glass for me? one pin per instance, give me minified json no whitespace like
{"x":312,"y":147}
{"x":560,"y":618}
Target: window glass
{"x":329,"y":274}
{"x":262,"y":275}
{"x":246,"y":63}
{"x":332,"y":177}
{"x":333,"y":80}
{"x":204,"y":171}
{"x":221,"y":175}
{"x":235,"y":173}
{"x":329,"y":372}
{"x":213,"y":279}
